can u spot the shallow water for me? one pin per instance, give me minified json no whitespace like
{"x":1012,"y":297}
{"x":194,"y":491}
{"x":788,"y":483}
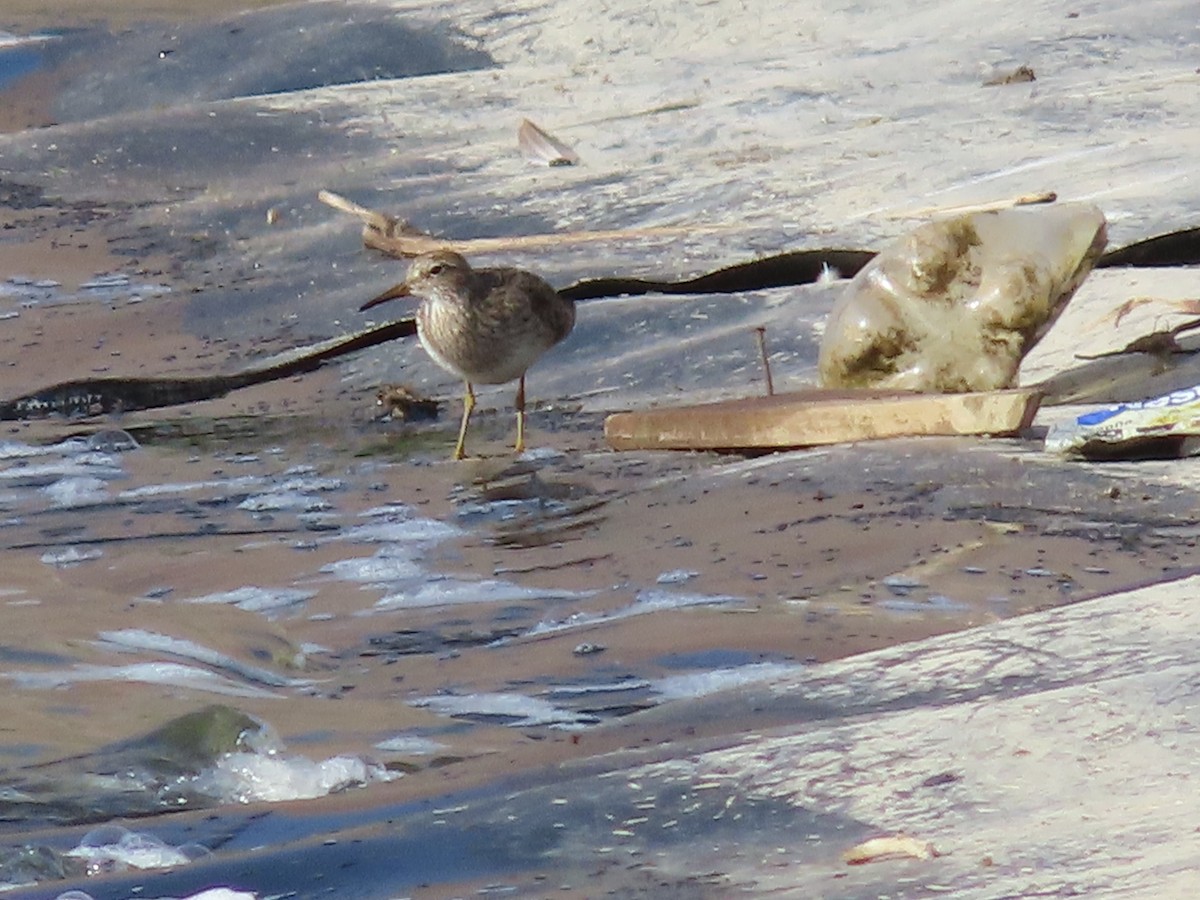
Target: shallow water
{"x":383,"y":611}
{"x":18,"y":57}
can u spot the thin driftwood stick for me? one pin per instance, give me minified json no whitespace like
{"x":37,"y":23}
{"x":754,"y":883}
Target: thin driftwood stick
{"x":761,"y":331}
{"x":370,"y":218}
{"x":381,"y":231}
{"x":1005,"y":203}
{"x":395,"y":237}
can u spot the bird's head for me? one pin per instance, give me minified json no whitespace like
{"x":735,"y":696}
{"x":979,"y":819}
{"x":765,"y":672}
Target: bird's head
{"x":431,"y":275}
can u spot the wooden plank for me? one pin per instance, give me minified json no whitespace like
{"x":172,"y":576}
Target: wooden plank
{"x":809,"y":418}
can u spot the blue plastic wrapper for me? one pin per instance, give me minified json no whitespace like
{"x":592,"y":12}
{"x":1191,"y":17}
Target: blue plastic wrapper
{"x":1163,"y":427}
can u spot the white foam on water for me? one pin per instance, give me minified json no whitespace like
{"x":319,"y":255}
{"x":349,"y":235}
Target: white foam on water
{"x":645,"y":602}
{"x":654,"y":600}
{"x":112,"y":848}
{"x":112,"y":440}
{"x":524,"y":712}
{"x":218,"y":893}
{"x":69,"y":556}
{"x":100,"y":459}
{"x":310,"y":484}
{"x":676,"y":576}
{"x":242,"y":482}
{"x":603,"y":687}
{"x":937,"y":603}
{"x":139,"y":639}
{"x":284,"y":501}
{"x":903,"y":583}
{"x":46,"y":473}
{"x":700,"y":684}
{"x":77,"y":491}
{"x":401,"y":531}
{"x":501,"y":510}
{"x":105,"y":281}
{"x":17,"y":450}
{"x":410,"y":744}
{"x":257,"y":599}
{"x":398,"y":523}
{"x":171,"y":674}
{"x":8,"y":39}
{"x":77,"y":457}
{"x":390,"y":563}
{"x":452,"y":591}
{"x":395,"y":511}
{"x":537,"y":454}
{"x":251,"y":777}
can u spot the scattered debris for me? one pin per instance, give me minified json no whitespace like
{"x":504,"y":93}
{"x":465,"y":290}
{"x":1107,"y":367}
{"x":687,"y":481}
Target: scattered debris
{"x":957,"y":303}
{"x":401,"y":402}
{"x":396,"y":237}
{"x":1018,"y":75}
{"x":808,"y":418}
{"x":1163,"y":428}
{"x":1157,"y":343}
{"x":543,"y":148}
{"x":761,"y":331}
{"x":1034,"y":199}
{"x":393,"y":236}
{"x":892,"y":846}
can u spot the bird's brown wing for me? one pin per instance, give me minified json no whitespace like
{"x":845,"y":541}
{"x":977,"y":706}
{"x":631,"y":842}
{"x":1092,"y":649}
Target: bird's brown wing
{"x":555,"y":312}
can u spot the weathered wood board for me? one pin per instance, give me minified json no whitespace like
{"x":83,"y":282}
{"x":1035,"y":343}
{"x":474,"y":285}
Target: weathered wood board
{"x":813,"y":417}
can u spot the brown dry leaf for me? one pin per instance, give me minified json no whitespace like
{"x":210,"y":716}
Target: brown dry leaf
{"x":1129,"y":306}
{"x":1190,"y":307}
{"x":1016,"y":76}
{"x":891,"y":846}
{"x":542,"y":148}
{"x":399,"y":401}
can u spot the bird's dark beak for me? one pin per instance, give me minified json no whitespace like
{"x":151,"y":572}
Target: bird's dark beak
{"x":400,"y":290}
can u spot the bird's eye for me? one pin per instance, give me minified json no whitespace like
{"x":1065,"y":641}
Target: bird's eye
{"x":436,"y":269}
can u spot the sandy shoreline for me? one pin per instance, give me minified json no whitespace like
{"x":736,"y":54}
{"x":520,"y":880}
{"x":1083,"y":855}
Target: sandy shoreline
{"x":807,"y":560}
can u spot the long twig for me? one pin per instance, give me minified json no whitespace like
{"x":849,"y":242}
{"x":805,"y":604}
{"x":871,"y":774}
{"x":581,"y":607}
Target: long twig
{"x":395,"y":237}
{"x":987,"y":206}
{"x":761,"y":330}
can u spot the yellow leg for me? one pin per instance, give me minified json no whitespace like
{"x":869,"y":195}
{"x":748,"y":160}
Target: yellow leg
{"x":520,"y":446}
{"x":468,"y":406}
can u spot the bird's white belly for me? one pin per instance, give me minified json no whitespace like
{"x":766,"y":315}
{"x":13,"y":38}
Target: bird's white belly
{"x":488,"y":359}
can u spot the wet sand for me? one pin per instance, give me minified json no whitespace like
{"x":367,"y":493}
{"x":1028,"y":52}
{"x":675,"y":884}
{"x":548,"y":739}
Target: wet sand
{"x":30,"y":15}
{"x":820,"y":570}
